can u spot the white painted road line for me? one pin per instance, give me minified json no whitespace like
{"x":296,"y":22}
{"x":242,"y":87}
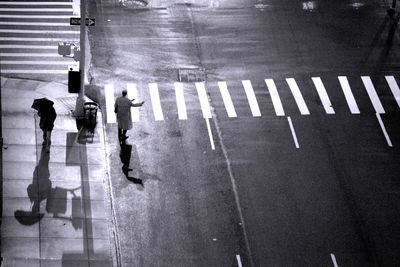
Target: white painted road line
{"x":180,"y":101}
{"x":34,"y":71}
{"x":276,"y":101}
{"x":226,"y":97}
{"x":205,"y":105}
{"x":30,"y":46}
{"x":334,"y":260}
{"x":378,"y":116}
{"x":298,"y":97}
{"x":296,"y":143}
{"x":155,"y":101}
{"x":394,"y":87}
{"x":17,"y":9}
{"x":372,"y":94}
{"x":37,"y":31}
{"x":210,"y":134}
{"x":251,"y":97}
{"x":110,"y":101}
{"x":239,"y":260}
{"x":9,"y":3}
{"x":36,"y":39}
{"x":133,"y":94}
{"x":11,"y":62}
{"x":55,"y":24}
{"x":323,"y":95}
{"x":351,"y":102}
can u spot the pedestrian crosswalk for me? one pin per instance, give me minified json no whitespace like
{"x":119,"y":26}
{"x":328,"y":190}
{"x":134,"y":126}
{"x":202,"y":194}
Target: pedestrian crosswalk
{"x":204,"y":92}
{"x":29,"y":35}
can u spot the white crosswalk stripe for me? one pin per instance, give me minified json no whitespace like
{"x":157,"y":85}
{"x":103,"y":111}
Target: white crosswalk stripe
{"x":180,"y":101}
{"x":205,"y":105}
{"x":394,"y":87}
{"x":30,"y":33}
{"x":226,"y":97}
{"x":133,"y":94}
{"x":276,"y":101}
{"x":298,"y":97}
{"x":155,"y":101}
{"x":323,"y":95}
{"x":348,"y":95}
{"x":373,"y":96}
{"x":206,"y":109}
{"x":251,"y":97}
{"x":110,"y":100}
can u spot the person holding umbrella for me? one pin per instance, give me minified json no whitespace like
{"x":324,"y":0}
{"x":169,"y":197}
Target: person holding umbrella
{"x":47,"y":115}
{"x":123,"y":109}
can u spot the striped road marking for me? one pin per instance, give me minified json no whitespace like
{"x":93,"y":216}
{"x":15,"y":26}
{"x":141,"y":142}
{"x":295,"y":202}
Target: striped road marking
{"x":276,"y":101}
{"x":9,"y":3}
{"x":394,"y":87}
{"x":298,"y":97}
{"x":180,"y":101}
{"x":251,"y":97}
{"x":155,"y":101}
{"x":35,"y":39}
{"x":351,"y":102}
{"x":372,"y":94}
{"x":15,"y":71}
{"x":133,"y":94}
{"x":334,"y":260}
{"x":34,"y":23}
{"x":37,"y":9}
{"x":30,"y":46}
{"x":29,"y":55}
{"x":378,"y":116}
{"x":10,"y":62}
{"x":226,"y":97}
{"x":37,"y":31}
{"x":323,"y":95}
{"x":36,"y":16}
{"x":205,"y":105}
{"x":109,"y":96}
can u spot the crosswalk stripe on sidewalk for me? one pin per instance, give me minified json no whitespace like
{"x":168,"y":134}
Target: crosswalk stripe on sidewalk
{"x":226,"y":97}
{"x":205,"y":105}
{"x":394,"y":88}
{"x":251,"y":97}
{"x":133,"y":94}
{"x":180,"y":101}
{"x":155,"y":101}
{"x":276,"y":101}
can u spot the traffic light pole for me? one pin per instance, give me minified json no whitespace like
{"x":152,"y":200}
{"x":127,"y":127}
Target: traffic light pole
{"x":82,"y":47}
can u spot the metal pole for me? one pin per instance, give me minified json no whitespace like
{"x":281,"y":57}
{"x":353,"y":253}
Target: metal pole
{"x":82,"y":46}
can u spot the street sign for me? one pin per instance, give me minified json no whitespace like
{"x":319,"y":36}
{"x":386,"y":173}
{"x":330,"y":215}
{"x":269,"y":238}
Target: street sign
{"x":77,"y":21}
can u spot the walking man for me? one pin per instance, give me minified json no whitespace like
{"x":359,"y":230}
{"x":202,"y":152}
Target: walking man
{"x":123,"y":109}
{"x":47,"y":115}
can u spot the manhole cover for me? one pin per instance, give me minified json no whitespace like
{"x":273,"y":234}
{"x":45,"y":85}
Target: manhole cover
{"x":192,"y":75}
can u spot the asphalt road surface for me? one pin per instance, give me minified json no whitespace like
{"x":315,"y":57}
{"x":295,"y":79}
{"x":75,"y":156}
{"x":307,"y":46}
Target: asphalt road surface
{"x":301,"y":170}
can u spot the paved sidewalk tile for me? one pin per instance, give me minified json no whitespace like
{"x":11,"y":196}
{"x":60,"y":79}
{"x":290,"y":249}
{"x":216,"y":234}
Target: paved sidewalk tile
{"x":55,"y":209}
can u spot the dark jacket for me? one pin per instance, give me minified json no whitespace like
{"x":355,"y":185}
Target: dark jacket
{"x":47,"y":117}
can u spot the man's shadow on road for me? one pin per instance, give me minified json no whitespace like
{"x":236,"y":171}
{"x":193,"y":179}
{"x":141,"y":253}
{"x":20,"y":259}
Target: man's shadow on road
{"x":125,"y":156}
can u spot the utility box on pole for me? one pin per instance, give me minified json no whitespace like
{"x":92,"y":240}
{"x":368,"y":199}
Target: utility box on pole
{"x":74,"y":81}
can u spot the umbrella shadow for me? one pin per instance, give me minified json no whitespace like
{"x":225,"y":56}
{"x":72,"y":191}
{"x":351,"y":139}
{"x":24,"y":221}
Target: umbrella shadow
{"x":38,"y":190}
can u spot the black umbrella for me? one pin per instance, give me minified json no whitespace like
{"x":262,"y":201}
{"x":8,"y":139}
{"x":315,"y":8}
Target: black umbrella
{"x":40,"y":103}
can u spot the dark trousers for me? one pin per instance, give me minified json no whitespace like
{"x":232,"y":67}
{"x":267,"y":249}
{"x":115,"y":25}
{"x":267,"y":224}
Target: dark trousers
{"x":122,"y":135}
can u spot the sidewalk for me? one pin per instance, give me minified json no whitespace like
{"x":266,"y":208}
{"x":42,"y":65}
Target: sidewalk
{"x":74,"y":226}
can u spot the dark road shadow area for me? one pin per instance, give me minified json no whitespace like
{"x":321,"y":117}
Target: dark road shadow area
{"x":125,"y":156}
